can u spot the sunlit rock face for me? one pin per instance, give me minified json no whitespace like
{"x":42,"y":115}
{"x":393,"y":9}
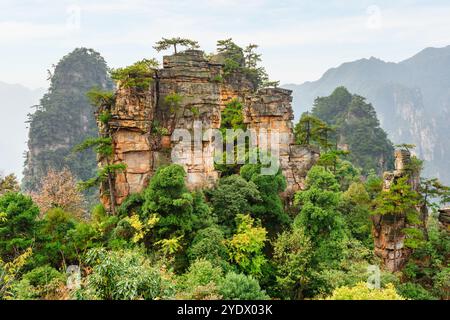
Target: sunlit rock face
{"x":144,"y":122}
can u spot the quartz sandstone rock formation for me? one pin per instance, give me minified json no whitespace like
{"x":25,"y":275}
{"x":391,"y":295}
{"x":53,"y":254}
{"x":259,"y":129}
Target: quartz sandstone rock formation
{"x":444,"y":218}
{"x":143,"y":122}
{"x":270,"y":110}
{"x":387,"y":232}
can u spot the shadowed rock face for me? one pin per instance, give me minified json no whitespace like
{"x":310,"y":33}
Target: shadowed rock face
{"x":143,"y":122}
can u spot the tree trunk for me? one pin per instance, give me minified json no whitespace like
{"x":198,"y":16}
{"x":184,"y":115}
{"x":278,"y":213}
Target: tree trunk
{"x":112,"y":197}
{"x":395,"y":242}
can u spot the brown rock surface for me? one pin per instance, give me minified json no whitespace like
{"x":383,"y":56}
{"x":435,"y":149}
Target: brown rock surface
{"x":142,"y":123}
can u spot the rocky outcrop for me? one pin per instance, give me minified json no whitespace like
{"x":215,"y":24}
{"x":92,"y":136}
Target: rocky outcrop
{"x":270,"y":110}
{"x":389,"y":239}
{"x":189,"y":93}
{"x":444,"y":218}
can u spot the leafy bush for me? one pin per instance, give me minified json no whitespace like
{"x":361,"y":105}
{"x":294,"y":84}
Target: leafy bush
{"x":209,"y":244}
{"x":139,"y":75}
{"x":241,"y":287}
{"x":362,"y":292}
{"x":292,"y":254}
{"x":40,"y":283}
{"x":414,"y":291}
{"x":200,"y":282}
{"x":18,"y":226}
{"x":233,"y":195}
{"x":123,"y":275}
{"x":245,"y":248}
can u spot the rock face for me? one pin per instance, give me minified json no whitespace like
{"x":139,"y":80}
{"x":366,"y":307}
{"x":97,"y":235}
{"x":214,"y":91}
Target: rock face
{"x":270,"y":110}
{"x":387,"y":232}
{"x":187,"y":97}
{"x":444,"y":218}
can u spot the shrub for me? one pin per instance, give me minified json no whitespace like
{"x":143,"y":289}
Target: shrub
{"x":241,"y":287}
{"x":18,"y":226}
{"x":414,"y":291}
{"x":123,"y":275}
{"x":42,"y":283}
{"x":200,"y":282}
{"x":209,"y":244}
{"x":245,"y":248}
{"x":362,"y":292}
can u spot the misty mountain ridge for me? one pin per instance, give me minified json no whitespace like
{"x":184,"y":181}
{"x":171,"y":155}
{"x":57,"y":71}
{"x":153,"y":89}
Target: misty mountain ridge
{"x":411,"y":98}
{"x":17,"y":102}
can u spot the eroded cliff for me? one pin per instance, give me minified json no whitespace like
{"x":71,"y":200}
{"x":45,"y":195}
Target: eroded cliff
{"x":192,"y":90}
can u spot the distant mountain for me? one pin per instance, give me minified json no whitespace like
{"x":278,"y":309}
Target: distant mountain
{"x":15,"y":102}
{"x":65,"y":118}
{"x":411,"y":98}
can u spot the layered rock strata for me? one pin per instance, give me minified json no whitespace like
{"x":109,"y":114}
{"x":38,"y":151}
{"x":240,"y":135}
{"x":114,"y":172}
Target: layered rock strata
{"x":189,"y":93}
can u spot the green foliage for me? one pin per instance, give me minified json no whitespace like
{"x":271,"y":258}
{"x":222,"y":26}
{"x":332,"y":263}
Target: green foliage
{"x":270,"y":209}
{"x":310,"y":130}
{"x":42,"y":282}
{"x":399,"y":199}
{"x":319,"y":215}
{"x":356,"y":212}
{"x":103,"y":146}
{"x":374,"y":184}
{"x":131,"y":205}
{"x":138,"y":76}
{"x":217,"y":79}
{"x":356,"y":125}
{"x":434,"y":193}
{"x":165,"y":44}
{"x":8,"y":184}
{"x":100,"y":98}
{"x":209,"y":244}
{"x":292,"y":254}
{"x":231,"y":118}
{"x":245,"y":247}
{"x":428,"y":266}
{"x":167,"y":196}
{"x":330,"y":159}
{"x":414,"y":291}
{"x":200,"y":281}
{"x":362,"y":292}
{"x":241,"y":287}
{"x":54,"y":245}
{"x":102,"y":175}
{"x":346,"y":174}
{"x":9,"y":272}
{"x":172,"y":101}
{"x":18,"y":226}
{"x":233,"y":195}
{"x":245,"y":61}
{"x":123,"y":275}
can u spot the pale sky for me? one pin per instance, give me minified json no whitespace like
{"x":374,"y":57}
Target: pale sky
{"x":299,"y":40}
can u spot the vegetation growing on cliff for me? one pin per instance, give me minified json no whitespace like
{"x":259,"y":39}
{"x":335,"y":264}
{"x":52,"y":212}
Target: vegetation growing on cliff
{"x":245,"y":61}
{"x":64,"y":118}
{"x":357,"y":128}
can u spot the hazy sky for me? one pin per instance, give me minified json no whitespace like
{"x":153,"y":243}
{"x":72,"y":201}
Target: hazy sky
{"x":299,"y":40}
